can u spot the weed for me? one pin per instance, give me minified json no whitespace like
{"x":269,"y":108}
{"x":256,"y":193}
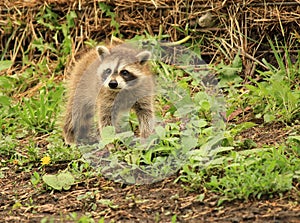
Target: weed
{"x":61,"y":48}
{"x":114,"y":24}
{"x":280,"y":102}
{"x":229,"y":74}
{"x":80,"y":169}
{"x":63,"y":180}
{"x":39,"y":114}
{"x":276,"y":97}
{"x":57,"y":149}
{"x":174,"y":218}
{"x":249,"y":173}
{"x":35,"y":178}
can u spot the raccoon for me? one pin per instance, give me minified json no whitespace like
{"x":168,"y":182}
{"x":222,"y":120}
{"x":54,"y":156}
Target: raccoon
{"x":109,"y":81}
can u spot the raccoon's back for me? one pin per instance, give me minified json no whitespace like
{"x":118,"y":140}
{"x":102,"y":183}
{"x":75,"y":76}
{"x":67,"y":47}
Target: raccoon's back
{"x":82,"y":65}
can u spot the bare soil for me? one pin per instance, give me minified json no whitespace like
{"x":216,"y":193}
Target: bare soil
{"x":21,"y":202}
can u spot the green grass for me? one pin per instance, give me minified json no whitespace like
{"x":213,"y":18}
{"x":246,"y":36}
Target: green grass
{"x":278,"y":89}
{"x":39,"y":115}
{"x":249,"y":173}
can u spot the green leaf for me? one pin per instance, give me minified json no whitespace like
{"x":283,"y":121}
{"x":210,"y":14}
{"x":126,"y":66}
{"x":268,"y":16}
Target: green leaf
{"x":237,"y":61}
{"x":108,"y":203}
{"x":189,"y":142}
{"x":205,"y":105}
{"x":241,"y":127}
{"x":4,"y":100}
{"x":5,"y":64}
{"x":269,"y":117}
{"x":70,"y":19}
{"x":59,"y":181}
{"x":103,"y":7}
{"x":297,"y":138}
{"x":252,"y":88}
{"x":5,"y":82}
{"x":223,"y":149}
{"x":160,"y":131}
{"x":200,"y":96}
{"x":108,"y":134}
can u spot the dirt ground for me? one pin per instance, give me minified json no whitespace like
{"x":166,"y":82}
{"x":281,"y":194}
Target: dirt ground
{"x":148,"y":203}
{"x":20,"y":202}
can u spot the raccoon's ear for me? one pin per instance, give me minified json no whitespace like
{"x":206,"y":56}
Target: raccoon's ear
{"x":143,"y":57}
{"x":102,"y":51}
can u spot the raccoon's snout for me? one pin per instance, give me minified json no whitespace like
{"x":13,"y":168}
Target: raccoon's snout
{"x":113,"y":84}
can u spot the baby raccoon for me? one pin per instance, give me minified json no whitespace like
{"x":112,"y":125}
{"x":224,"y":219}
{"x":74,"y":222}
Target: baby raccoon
{"x":109,"y":81}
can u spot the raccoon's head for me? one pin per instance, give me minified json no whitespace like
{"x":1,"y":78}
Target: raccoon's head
{"x":122,"y":67}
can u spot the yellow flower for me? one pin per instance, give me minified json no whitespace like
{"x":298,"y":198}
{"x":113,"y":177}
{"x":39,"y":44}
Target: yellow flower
{"x":15,"y":162}
{"x":46,"y":160}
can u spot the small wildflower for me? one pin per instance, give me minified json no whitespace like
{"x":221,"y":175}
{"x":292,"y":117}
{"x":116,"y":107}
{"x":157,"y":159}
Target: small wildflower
{"x":15,"y":162}
{"x":46,"y":160}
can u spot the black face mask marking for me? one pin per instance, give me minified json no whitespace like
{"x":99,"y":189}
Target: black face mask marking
{"x":127,"y":75}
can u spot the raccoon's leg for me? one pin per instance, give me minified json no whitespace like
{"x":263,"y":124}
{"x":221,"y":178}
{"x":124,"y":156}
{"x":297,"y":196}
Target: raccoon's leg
{"x":83,"y":131}
{"x":78,"y":124}
{"x":104,"y":116}
{"x":105,"y":120}
{"x":145,"y":114}
{"x":77,"y":129}
{"x":68,"y":129}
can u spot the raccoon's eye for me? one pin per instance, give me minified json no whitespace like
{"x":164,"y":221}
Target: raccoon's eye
{"x":127,"y":75}
{"x":107,"y":71}
{"x":124,"y":73}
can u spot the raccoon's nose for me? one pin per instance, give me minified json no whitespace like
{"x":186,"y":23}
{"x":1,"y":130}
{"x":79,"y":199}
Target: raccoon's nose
{"x":113,"y":84}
